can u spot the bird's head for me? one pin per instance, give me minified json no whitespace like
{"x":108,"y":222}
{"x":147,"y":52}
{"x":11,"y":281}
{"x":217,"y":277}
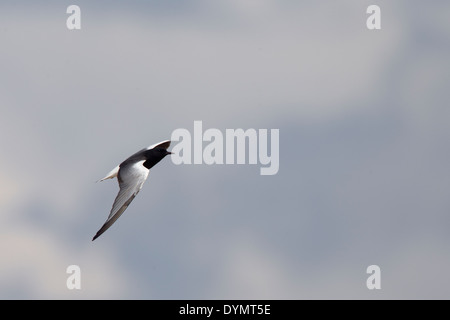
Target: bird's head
{"x":161,"y":152}
{"x":157,"y":154}
{"x":154,"y":156}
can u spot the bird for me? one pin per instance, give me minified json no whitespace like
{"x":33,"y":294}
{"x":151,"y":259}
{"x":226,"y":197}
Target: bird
{"x":131,"y":175}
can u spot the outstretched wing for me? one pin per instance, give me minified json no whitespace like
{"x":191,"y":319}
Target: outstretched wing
{"x":131,"y":178}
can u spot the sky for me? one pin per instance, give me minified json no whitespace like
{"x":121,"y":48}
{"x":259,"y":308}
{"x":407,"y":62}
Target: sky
{"x":364,"y":171}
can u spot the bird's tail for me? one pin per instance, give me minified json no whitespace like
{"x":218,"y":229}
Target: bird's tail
{"x":112,"y":174}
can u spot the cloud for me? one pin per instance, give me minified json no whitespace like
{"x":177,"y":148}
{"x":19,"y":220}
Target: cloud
{"x":35,"y":262}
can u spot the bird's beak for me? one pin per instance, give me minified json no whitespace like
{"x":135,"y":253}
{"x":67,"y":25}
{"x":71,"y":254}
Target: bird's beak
{"x":168,"y":152}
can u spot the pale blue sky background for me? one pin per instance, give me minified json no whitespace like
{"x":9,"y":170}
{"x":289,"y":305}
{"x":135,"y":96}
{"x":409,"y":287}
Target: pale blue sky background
{"x":364,"y":159}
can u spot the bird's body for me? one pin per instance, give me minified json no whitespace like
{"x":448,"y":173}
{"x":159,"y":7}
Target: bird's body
{"x":131,"y":175}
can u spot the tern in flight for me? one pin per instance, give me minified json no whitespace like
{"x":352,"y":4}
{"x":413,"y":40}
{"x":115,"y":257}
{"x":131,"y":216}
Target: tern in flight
{"x":131,"y":175}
